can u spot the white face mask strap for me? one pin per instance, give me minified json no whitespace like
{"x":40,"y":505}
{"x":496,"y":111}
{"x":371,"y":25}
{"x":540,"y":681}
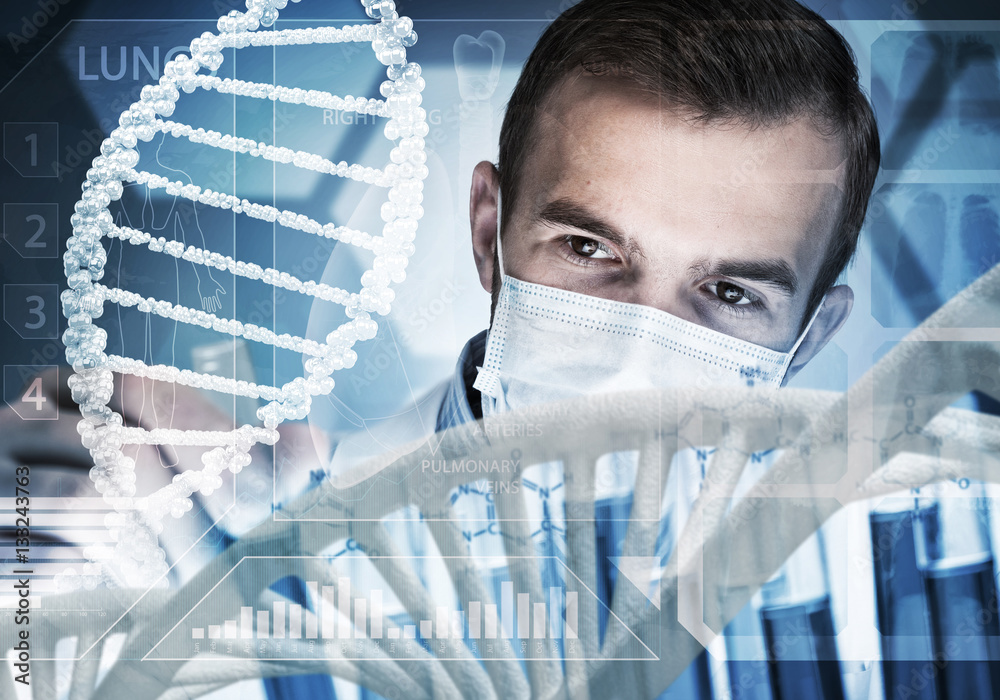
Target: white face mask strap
{"x":488,"y":380}
{"x":805,"y":332}
{"x":499,"y":228}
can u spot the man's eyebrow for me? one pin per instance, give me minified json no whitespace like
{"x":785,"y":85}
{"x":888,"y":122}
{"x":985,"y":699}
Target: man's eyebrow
{"x":565,"y":212}
{"x":773,"y":272}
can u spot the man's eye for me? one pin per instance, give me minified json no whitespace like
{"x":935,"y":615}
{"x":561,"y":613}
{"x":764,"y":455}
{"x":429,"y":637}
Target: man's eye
{"x":589,"y":248}
{"x":732,"y":294}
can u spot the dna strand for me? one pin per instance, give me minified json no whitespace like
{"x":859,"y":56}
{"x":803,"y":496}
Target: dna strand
{"x":845,"y":449}
{"x":137,"y":521}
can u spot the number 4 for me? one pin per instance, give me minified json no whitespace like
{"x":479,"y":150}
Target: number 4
{"x":34,"y":394}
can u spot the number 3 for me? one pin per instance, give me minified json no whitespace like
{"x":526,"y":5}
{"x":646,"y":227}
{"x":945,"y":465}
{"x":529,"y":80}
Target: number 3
{"x":37,"y":311}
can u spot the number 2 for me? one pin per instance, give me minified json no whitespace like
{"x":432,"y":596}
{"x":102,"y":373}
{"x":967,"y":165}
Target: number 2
{"x":33,"y":242}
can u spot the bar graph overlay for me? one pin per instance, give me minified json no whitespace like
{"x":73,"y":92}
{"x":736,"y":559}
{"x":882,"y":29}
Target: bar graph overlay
{"x":291,"y":621}
{"x":338,"y":612}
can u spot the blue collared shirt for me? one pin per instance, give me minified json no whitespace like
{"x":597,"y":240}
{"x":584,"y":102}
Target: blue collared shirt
{"x":460,"y":397}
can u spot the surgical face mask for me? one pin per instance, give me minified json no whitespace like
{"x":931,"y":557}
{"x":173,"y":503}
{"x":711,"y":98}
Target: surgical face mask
{"x":548,"y":344}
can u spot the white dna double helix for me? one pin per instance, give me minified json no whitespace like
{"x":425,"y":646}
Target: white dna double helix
{"x":138,"y":560}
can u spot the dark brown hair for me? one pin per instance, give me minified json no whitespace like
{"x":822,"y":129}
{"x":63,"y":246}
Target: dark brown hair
{"x":757,"y":63}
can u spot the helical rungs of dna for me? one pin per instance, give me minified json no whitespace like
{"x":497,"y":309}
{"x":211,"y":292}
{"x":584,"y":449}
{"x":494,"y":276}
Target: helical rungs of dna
{"x":843,"y":450}
{"x":134,"y":527}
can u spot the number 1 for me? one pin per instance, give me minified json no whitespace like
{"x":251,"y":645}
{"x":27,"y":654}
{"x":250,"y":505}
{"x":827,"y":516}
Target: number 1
{"x":33,"y":140}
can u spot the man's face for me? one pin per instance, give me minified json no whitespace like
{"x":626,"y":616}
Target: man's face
{"x":720,"y":225}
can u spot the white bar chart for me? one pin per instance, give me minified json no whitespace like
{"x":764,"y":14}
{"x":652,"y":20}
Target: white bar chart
{"x":336,"y":615}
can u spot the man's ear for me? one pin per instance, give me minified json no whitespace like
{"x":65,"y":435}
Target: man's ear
{"x":483,"y":217}
{"x":836,"y":308}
